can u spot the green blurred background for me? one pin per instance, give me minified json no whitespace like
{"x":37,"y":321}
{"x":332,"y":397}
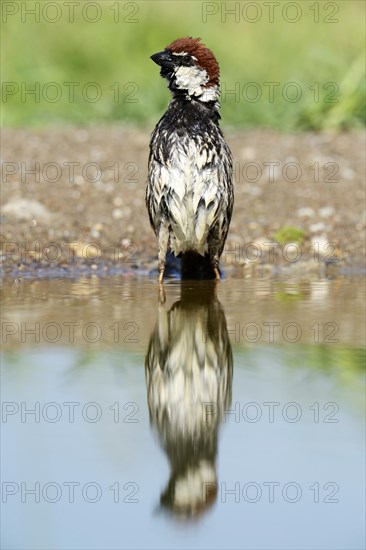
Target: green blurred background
{"x":322,"y":52}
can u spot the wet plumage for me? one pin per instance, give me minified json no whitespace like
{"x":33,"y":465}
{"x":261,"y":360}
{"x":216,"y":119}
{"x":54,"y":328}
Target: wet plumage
{"x":189,"y":192}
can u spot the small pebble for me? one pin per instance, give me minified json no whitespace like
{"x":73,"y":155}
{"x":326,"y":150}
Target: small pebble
{"x":316,"y":227}
{"x":117,"y":214}
{"x":248,"y":153}
{"x":347,"y":174}
{"x":305,"y":212}
{"x":326,"y":212}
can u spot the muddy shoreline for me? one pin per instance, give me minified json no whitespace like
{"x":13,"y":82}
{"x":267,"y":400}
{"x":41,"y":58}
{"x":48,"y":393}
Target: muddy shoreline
{"x":73,"y":203}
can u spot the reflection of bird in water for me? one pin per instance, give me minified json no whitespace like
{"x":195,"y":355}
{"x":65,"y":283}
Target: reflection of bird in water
{"x":188,"y":374}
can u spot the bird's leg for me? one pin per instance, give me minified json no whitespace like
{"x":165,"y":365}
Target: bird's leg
{"x":161,"y":272}
{"x":161,"y":296}
{"x":163,"y":239}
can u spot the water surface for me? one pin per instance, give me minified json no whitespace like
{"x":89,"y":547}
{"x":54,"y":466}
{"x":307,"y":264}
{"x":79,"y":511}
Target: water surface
{"x":228,"y":417}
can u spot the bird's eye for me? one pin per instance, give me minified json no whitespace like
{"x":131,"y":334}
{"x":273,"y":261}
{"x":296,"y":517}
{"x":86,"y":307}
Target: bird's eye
{"x":183,"y":59}
{"x":186,"y":60}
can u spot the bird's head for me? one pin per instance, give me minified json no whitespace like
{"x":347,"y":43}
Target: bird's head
{"x":190,"y":68}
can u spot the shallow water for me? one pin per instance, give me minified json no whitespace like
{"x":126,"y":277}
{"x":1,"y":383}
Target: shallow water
{"x":228,"y":417}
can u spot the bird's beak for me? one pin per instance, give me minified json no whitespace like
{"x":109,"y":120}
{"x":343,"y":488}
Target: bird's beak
{"x":164,"y":58}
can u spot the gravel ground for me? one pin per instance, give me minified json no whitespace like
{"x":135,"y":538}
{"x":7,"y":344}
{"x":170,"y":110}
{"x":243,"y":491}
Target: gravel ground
{"x":73,"y":201}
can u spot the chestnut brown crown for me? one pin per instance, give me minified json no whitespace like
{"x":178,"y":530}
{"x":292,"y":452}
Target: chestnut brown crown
{"x":205,"y":58}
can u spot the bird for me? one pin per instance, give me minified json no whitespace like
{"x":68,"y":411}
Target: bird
{"x":189,"y":375}
{"x":189,"y":193}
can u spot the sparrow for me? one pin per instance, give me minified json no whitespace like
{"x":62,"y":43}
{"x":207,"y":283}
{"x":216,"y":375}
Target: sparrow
{"x":189,"y":195}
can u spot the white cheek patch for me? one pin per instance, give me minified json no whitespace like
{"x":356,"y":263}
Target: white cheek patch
{"x":191,"y":79}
